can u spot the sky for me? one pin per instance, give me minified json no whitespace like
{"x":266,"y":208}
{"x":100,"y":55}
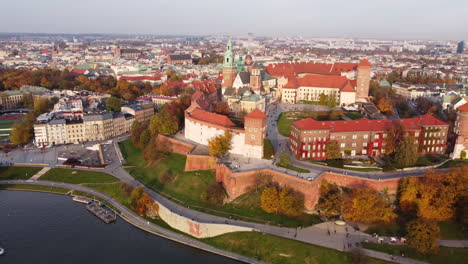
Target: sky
{"x":381,"y":19}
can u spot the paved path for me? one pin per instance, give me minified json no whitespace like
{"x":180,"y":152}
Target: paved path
{"x":40,"y":173}
{"x":137,"y":221}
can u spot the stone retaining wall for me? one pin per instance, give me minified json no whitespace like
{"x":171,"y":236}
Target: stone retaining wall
{"x":174,"y":145}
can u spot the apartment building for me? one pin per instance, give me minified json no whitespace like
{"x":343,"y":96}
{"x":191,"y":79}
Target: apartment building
{"x":309,"y":138}
{"x":142,"y":112}
{"x":98,"y":126}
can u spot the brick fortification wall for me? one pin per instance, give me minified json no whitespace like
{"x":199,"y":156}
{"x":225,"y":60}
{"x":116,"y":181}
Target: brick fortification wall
{"x":200,"y":162}
{"x":173,"y":145}
{"x":238,"y":183}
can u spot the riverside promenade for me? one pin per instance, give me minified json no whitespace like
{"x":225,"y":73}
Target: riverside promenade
{"x":316,"y":235}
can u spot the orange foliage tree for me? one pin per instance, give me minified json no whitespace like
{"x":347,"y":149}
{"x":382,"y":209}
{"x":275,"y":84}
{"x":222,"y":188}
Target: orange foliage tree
{"x":367,"y":207}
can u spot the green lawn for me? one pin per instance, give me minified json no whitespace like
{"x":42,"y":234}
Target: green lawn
{"x":6,"y":123}
{"x":112,"y":190}
{"x":187,"y":187}
{"x":17,"y":173}
{"x":294,"y":168}
{"x":32,"y":187}
{"x":77,"y":176}
{"x":268,"y":149}
{"x":445,"y":255}
{"x":453,"y":163}
{"x":273,"y":249}
{"x":452,"y":230}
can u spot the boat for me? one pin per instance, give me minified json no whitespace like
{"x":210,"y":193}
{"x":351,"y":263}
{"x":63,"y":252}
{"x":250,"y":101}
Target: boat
{"x":82,"y":199}
{"x":1,"y":251}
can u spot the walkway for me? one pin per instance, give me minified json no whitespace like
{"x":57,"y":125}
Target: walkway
{"x":454,"y":243}
{"x":40,"y":173}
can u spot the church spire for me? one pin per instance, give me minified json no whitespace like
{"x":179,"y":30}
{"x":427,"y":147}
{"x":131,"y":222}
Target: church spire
{"x":229,"y":56}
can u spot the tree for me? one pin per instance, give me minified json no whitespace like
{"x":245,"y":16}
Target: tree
{"x":146,"y":206}
{"x":357,"y":256}
{"x":154,"y":152}
{"x":145,"y":138}
{"x":136,"y":131}
{"x":163,"y":123}
{"x":135,"y":195}
{"x":214,"y":194}
{"x":329,"y":203}
{"x":261,"y":180}
{"x":395,"y":132}
{"x":42,"y":105}
{"x":221,"y":108}
{"x":385,"y":106}
{"x":220,"y":145}
{"x":21,"y":133}
{"x":423,"y":235}
{"x":333,"y":150}
{"x":126,"y":188}
{"x":367,"y":207}
{"x":290,"y":203}
{"x":113,"y":104}
{"x":407,"y":152}
{"x":269,"y":201}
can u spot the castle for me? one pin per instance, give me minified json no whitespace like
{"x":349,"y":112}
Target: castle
{"x":461,"y":129}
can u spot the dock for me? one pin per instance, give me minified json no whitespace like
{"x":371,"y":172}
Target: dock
{"x":82,"y":199}
{"x":100,"y":212}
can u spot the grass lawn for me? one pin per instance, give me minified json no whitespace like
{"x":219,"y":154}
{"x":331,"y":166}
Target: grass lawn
{"x":112,"y":190}
{"x":268,"y":149}
{"x":452,"y":230}
{"x":32,"y":187}
{"x":445,"y":255}
{"x":273,"y":249}
{"x":294,"y":168}
{"x":6,"y":123}
{"x":17,"y":173}
{"x":187,"y":187}
{"x":285,"y":119}
{"x":77,"y":176}
{"x":453,"y":163}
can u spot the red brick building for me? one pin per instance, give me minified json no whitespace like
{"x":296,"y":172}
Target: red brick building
{"x":309,"y":138}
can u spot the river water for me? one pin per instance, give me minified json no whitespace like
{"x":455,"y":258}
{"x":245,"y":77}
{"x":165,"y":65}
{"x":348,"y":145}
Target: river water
{"x":51,"y":228}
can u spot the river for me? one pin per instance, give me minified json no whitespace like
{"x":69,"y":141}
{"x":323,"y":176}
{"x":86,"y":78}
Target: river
{"x":50,"y":228}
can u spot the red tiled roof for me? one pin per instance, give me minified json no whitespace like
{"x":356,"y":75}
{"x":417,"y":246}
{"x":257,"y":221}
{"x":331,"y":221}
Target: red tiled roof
{"x":348,"y":88}
{"x":365,"y":63}
{"x":211,"y":118}
{"x":325,"y":81}
{"x":366,"y":124}
{"x":256,"y":114}
{"x":463,"y":108}
{"x":141,"y":78}
{"x":353,"y":83}
{"x":293,"y":69}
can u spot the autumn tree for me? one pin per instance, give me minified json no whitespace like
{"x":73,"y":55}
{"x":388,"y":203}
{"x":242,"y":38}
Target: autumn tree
{"x":220,"y":145}
{"x":407,"y":152}
{"x":136,"y":193}
{"x":146,"y":206}
{"x":395,"y":132}
{"x":269,"y":201}
{"x":333,"y":150}
{"x":21,"y":134}
{"x":163,"y":123}
{"x":423,"y":235}
{"x":126,"y":188}
{"x":329,"y":203}
{"x":221,"y":108}
{"x":290,"y":202}
{"x":113,"y":104}
{"x":145,"y":138}
{"x":385,"y":106}
{"x":136,"y":131}
{"x":365,"y":206}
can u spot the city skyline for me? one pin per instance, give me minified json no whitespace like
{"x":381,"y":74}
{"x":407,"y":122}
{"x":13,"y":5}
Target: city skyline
{"x":383,"y":19}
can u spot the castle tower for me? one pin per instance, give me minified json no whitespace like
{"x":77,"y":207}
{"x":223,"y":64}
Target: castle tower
{"x":255,"y":124}
{"x":229,"y":67}
{"x":461,"y":129}
{"x":363,"y":78}
{"x":256,"y":80}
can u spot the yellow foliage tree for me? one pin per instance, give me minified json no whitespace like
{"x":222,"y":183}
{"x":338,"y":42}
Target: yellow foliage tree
{"x":270,"y":200}
{"x":367,"y":207}
{"x":385,"y":106}
{"x":220,"y":145}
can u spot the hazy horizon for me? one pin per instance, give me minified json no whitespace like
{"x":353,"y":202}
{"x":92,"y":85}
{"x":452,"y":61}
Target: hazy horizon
{"x":364,"y":19}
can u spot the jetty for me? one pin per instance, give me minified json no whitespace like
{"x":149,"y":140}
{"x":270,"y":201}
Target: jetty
{"x":82,"y":199}
{"x":100,"y":212}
